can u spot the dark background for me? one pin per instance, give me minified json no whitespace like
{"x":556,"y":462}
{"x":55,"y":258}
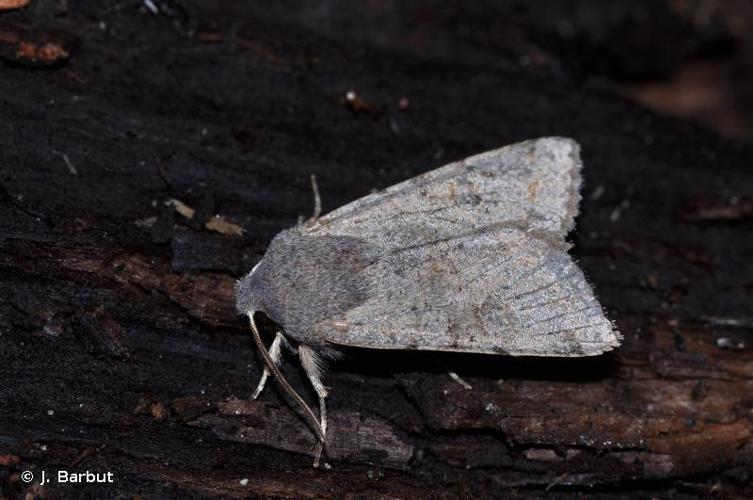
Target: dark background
{"x":119,"y":346}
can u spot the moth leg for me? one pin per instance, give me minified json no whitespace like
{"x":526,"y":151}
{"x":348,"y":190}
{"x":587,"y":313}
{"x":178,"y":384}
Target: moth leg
{"x":275,"y":353}
{"x":313,"y":366}
{"x":308,"y":414}
{"x":317,"y":204}
{"x":453,"y":375}
{"x":317,"y":199}
{"x":457,"y":378}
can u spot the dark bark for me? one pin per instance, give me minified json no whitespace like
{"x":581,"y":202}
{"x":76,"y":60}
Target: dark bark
{"x":120,"y":349}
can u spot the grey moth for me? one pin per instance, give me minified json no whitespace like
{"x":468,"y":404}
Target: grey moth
{"x":470,"y":257}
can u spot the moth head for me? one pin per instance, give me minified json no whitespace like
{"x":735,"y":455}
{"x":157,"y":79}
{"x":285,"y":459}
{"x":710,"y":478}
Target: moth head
{"x":248,"y":293}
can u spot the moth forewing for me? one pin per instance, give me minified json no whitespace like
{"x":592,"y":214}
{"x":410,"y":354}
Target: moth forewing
{"x":495,"y":291}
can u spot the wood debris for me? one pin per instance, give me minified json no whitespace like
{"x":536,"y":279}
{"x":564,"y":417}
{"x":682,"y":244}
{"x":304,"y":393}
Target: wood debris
{"x":217,"y":223}
{"x":13,"y":4}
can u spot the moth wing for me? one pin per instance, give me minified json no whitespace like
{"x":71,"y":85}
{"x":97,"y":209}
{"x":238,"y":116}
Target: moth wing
{"x":533,"y":185}
{"x":501,"y":291}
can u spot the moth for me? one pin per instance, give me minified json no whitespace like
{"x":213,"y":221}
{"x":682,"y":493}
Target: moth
{"x":470,"y":257}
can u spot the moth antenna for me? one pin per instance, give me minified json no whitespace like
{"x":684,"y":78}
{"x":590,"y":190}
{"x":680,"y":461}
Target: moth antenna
{"x":313,"y":421}
{"x":275,"y":352}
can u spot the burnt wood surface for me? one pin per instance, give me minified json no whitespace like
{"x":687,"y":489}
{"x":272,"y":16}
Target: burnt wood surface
{"x":120,"y":349}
